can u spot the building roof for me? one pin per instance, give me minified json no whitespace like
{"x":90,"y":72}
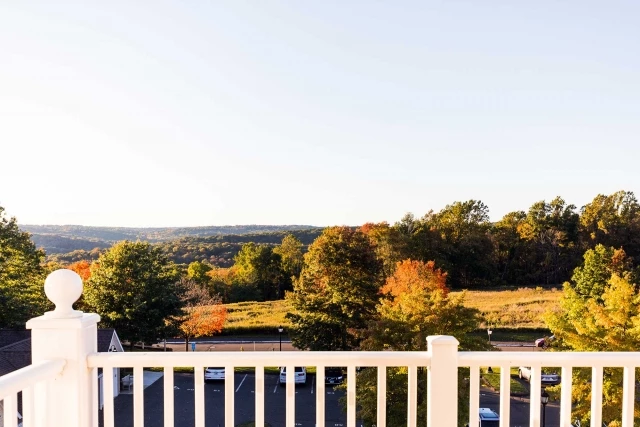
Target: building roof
{"x":15,"y":348}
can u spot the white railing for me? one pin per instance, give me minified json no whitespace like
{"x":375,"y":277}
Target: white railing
{"x":66,"y":363}
{"x":258,"y":360}
{"x":28,"y":380}
{"x":629,"y":361}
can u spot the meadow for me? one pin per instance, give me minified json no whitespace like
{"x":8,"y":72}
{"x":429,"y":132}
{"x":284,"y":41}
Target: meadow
{"x":511,"y":313}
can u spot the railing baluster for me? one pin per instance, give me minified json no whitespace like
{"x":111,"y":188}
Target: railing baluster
{"x":505,"y":395}
{"x":596,"y":395}
{"x":412,"y":395}
{"x":382,"y":397}
{"x":138,"y":396}
{"x":291,"y":395}
{"x":198,"y":390}
{"x":27,"y":407}
{"x":168,"y":397}
{"x":95,"y":407}
{"x":229,"y":394}
{"x":628,"y":395}
{"x":535,"y":390}
{"x":351,"y":396}
{"x":565,"y":395}
{"x":107,"y":386}
{"x":320,"y":389}
{"x":11,"y":411}
{"x":259,"y":396}
{"x":474,"y":394}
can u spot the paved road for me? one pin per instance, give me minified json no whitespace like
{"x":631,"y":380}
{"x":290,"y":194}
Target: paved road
{"x":519,"y":409}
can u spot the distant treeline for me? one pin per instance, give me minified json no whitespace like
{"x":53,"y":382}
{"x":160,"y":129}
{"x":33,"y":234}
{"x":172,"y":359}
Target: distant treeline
{"x":218,"y":250}
{"x":542,"y":245}
{"x":152,"y":235}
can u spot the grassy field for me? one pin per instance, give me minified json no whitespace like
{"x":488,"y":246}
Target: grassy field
{"x":514,"y":309}
{"x":510,"y":313}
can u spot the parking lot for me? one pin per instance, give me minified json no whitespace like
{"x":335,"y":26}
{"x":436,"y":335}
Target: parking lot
{"x":275,"y":404}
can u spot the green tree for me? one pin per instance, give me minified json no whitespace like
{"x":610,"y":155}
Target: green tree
{"x":416,"y":304}
{"x":336,"y":294}
{"x":133,"y":288}
{"x":465,"y":244}
{"x":612,"y":220}
{"x":198,"y":272}
{"x":21,"y":275}
{"x":292,"y":258}
{"x":260,"y":267}
{"x":598,"y":316}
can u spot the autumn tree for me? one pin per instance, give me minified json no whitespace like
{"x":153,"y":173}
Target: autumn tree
{"x":83,"y":268}
{"x":416,"y":303}
{"x":133,"y":288}
{"x":202,"y":314}
{"x":599,"y":311}
{"x":21,"y":275}
{"x":336,"y":294}
{"x":389,"y":243}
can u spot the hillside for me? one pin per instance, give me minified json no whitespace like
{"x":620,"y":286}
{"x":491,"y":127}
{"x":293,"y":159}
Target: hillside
{"x":216,"y":244}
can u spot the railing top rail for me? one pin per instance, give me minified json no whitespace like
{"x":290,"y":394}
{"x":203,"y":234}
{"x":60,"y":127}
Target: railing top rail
{"x":261,"y":358}
{"x":566,"y":358}
{"x":30,"y":375}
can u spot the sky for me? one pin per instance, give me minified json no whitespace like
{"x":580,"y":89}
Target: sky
{"x":174,"y":113}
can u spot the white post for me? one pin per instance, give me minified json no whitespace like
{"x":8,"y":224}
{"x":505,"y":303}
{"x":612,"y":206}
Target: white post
{"x":71,"y":399}
{"x":442,"y":383}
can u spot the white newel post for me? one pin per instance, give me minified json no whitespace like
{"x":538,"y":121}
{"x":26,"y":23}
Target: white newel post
{"x":71,"y":335}
{"x":442,"y":383}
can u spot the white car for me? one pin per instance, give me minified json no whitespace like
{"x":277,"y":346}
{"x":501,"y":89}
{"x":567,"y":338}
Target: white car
{"x":212,"y":374}
{"x":524,"y":372}
{"x":299,"y":375}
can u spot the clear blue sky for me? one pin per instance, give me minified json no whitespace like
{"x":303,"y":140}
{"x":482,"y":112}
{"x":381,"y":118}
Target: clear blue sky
{"x":184,"y":113}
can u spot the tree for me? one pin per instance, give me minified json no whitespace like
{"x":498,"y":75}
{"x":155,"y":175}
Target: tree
{"x":612,"y":220}
{"x":133,"y":288}
{"x":597,"y":316}
{"x":198,"y":272}
{"x":465,"y":243}
{"x":389,"y":244}
{"x":21,"y":275}
{"x":292,"y":260}
{"x":336,"y":294}
{"x":202,"y":314}
{"x":83,"y":268}
{"x":260,"y":266}
{"x":416,"y":303}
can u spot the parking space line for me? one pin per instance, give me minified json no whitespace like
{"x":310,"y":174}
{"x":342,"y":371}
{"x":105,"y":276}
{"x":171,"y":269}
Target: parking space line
{"x":240,"y":385}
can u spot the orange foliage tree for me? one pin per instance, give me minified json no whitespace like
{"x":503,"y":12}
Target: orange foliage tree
{"x":83,"y":268}
{"x":202,"y":314}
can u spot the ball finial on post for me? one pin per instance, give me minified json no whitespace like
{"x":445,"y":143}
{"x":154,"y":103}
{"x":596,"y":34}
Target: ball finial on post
{"x":63,"y":288}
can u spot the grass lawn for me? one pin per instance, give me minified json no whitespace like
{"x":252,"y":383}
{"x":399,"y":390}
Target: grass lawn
{"x":493,"y":380}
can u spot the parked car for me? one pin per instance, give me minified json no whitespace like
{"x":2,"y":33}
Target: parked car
{"x":333,"y":375}
{"x":212,"y":374}
{"x":544,"y":342}
{"x":524,"y":372}
{"x":299,"y":375}
{"x":488,"y":418}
